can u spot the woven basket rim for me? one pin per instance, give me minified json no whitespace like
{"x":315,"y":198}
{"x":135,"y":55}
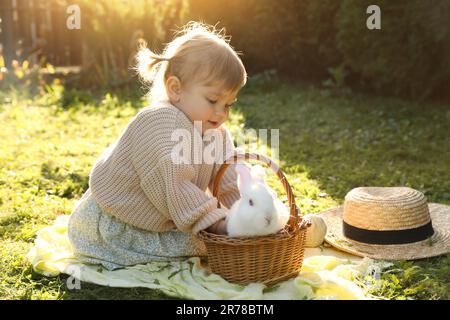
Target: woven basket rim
{"x":286,"y":233}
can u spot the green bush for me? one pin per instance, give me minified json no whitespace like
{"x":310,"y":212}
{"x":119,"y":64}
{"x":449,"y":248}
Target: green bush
{"x":326,"y":41}
{"x":112,"y":30}
{"x":306,"y":39}
{"x":408,"y":56}
{"x":269,"y":34}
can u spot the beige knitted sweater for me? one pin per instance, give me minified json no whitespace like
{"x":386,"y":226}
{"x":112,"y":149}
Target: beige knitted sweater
{"x":137,"y":180}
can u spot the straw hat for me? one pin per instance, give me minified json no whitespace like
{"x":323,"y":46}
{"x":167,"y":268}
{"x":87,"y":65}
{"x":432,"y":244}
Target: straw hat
{"x":392,"y":223}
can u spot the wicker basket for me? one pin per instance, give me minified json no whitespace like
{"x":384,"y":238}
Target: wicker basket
{"x":265,"y":259}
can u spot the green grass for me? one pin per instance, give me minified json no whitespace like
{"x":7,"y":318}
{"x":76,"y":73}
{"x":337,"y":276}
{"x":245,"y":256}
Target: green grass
{"x":330,"y":142}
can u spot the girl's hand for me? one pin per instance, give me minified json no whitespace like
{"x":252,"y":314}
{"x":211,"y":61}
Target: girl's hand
{"x":220,"y":227}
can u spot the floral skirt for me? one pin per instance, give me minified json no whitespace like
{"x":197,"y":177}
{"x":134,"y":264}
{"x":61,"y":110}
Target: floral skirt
{"x":97,"y":237}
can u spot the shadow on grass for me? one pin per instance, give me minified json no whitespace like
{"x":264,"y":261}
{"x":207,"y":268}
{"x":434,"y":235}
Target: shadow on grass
{"x":90,"y":291}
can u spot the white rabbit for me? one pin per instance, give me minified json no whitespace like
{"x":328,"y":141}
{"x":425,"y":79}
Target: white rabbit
{"x":258,"y":212}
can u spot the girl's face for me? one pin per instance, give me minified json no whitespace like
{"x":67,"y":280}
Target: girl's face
{"x":207,"y":104}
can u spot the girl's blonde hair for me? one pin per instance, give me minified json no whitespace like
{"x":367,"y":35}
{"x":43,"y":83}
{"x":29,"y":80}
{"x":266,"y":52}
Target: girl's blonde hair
{"x":198,"y":53}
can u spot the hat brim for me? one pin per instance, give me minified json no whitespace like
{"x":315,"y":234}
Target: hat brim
{"x":437,"y":244}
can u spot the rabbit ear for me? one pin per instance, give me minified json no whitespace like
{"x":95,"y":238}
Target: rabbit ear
{"x":244,"y":176}
{"x":273,"y":193}
{"x":258,"y":173}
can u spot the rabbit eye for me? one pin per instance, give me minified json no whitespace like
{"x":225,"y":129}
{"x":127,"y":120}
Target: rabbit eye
{"x":250,"y":202}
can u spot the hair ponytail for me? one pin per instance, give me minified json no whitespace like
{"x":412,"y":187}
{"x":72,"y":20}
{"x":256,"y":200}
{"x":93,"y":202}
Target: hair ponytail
{"x":146,"y":62}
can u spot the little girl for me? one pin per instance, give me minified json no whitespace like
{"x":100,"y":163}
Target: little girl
{"x":145,"y":202}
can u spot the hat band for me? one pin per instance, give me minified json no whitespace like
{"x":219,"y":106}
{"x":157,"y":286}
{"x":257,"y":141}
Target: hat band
{"x":388,"y":236}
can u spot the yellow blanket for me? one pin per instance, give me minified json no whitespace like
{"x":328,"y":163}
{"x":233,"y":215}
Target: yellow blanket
{"x":325,"y":274}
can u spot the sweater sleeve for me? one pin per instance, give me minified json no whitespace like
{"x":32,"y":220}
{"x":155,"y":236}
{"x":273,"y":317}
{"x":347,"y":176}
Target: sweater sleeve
{"x":228,"y":190}
{"x":183,"y":202}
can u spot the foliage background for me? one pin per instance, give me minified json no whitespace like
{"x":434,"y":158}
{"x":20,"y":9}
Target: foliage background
{"x":326,"y":42}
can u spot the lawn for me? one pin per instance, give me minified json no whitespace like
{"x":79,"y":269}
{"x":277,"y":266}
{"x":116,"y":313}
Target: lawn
{"x":330,"y":142}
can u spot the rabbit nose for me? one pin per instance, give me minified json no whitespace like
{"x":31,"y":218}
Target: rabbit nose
{"x":268,"y":219}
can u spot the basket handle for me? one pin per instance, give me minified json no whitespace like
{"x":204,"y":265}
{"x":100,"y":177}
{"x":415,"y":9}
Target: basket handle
{"x":295,"y":219}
